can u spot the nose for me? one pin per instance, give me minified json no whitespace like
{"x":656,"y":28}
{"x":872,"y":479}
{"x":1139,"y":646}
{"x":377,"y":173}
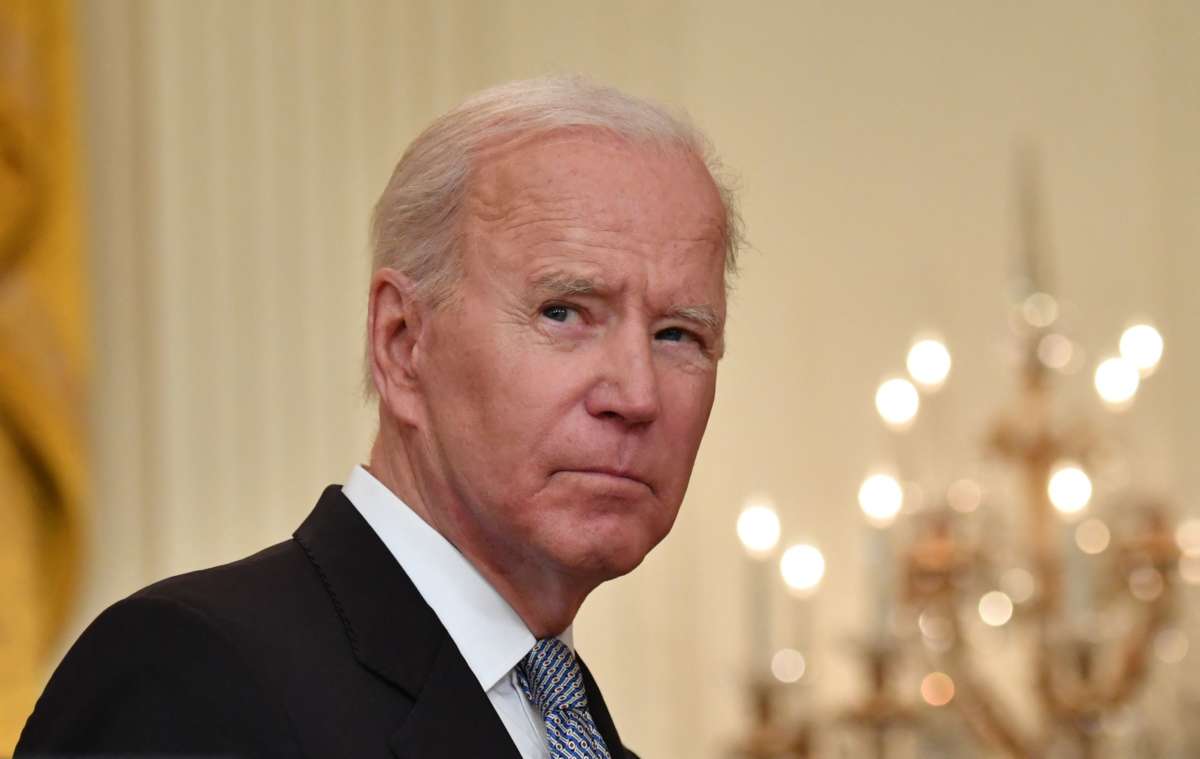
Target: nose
{"x":627,"y":385}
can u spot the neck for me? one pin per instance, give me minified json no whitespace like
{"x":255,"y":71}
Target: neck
{"x":546,"y":598}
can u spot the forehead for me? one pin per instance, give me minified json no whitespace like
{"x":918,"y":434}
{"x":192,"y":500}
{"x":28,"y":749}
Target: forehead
{"x":589,"y":190}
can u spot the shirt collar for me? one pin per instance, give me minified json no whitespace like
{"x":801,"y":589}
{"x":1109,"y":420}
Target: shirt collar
{"x":491,"y":636}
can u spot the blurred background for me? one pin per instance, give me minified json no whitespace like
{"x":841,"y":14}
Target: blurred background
{"x":185,"y":190}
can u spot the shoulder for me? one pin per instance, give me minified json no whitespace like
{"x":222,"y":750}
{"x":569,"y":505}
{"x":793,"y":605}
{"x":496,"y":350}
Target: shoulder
{"x":155,"y":674}
{"x":184,"y":663}
{"x":272,"y":575}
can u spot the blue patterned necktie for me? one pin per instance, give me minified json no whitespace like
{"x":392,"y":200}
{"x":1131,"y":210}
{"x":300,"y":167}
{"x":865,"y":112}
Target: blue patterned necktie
{"x":553,"y":682}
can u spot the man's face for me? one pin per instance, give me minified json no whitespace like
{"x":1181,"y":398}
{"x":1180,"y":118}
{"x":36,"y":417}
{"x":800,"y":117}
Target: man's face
{"x":568,"y":384}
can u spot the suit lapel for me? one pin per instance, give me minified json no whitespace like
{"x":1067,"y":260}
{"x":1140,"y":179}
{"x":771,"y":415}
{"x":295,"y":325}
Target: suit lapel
{"x":453,"y":717}
{"x":394,"y":634}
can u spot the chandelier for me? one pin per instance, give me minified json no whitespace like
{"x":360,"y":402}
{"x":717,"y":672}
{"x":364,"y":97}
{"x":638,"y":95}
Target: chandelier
{"x":1019,"y":616}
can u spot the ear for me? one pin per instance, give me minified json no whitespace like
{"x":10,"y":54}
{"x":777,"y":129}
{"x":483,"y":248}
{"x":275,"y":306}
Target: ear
{"x":394,"y":320}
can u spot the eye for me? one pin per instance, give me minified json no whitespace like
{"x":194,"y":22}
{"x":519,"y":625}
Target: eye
{"x":557,"y":312}
{"x":673,"y":335}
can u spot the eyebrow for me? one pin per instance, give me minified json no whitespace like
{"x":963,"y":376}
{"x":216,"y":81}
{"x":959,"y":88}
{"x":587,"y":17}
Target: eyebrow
{"x":705,"y":315}
{"x":560,"y":284}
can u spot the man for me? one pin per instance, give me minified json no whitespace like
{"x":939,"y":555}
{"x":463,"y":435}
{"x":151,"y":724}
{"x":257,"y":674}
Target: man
{"x":544,"y":325}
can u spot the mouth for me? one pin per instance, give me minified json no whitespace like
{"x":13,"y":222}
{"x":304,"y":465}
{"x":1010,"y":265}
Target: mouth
{"x":609,"y":475}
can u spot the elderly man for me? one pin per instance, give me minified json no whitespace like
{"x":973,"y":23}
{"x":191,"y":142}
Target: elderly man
{"x":545,"y":321}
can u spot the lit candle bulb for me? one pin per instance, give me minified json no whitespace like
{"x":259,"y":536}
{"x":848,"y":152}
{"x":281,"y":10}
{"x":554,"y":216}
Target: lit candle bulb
{"x":758,"y":530}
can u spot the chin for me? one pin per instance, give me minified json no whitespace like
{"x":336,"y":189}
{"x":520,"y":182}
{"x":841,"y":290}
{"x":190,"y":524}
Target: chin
{"x":602,"y":568}
{"x":599,"y":529}
{"x":611,"y":549}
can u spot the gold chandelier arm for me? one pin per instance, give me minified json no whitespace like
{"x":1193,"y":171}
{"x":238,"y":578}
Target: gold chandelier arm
{"x":1133,"y":669}
{"x":990,"y":722}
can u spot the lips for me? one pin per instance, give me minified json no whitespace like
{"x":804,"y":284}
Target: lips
{"x":609,"y":472}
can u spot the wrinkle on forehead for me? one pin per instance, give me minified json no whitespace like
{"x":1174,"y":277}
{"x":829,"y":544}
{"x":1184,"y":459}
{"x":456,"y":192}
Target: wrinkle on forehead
{"x":521,"y":190}
{"x":602,"y":217}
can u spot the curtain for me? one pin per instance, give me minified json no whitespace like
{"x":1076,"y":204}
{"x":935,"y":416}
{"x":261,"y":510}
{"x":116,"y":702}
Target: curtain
{"x":42,"y":354}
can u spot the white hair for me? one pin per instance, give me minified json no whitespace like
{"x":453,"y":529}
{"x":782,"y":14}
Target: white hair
{"x":415,"y":228}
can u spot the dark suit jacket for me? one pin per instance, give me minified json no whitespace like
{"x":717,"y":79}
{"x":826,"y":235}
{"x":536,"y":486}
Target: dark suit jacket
{"x":317,"y":647}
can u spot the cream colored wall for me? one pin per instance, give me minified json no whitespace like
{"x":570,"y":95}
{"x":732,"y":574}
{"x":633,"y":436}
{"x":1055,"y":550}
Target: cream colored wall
{"x":236,"y":148}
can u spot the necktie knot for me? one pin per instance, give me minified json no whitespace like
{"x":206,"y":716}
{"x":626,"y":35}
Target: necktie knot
{"x":552,"y":680}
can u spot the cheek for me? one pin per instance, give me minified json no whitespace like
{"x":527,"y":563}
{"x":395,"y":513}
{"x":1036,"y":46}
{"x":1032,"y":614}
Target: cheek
{"x":503,"y":403}
{"x":544,"y":385}
{"x":464,"y":391}
{"x":687,"y":403}
{"x":472,"y":374}
{"x":688,"y":400}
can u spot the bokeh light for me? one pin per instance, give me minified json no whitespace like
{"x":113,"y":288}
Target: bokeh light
{"x":897,"y":402}
{"x":937,"y":689}
{"x":1117,"y":382}
{"x":1146,"y":584}
{"x":964,"y":496}
{"x":995,"y":608}
{"x":929,"y":363}
{"x":936,"y":628}
{"x":1142,"y":346}
{"x":1187,"y":536}
{"x":788,"y":665}
{"x":1092,"y":536}
{"x":1040,"y":310}
{"x":880,"y":497}
{"x":802,"y":566}
{"x":1189,"y":569}
{"x":1171,"y":645}
{"x":1055,"y":351}
{"x":758,"y":528}
{"x":1070,"y":488}
{"x":1019,"y":583}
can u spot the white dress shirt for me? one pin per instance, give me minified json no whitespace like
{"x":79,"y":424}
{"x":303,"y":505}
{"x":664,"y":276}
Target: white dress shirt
{"x":489,"y":634}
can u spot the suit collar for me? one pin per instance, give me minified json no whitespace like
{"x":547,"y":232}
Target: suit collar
{"x":488,"y":632}
{"x":394,"y":634}
{"x":392,"y":631}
